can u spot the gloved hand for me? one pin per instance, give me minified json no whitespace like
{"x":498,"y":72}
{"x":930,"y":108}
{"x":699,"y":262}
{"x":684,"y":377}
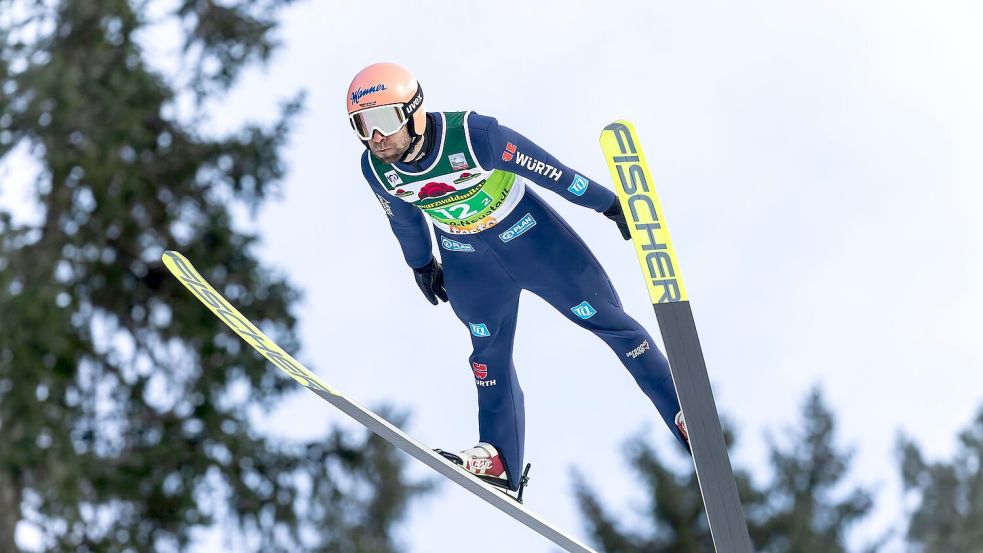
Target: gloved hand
{"x":430,"y":279}
{"x":618,"y":216}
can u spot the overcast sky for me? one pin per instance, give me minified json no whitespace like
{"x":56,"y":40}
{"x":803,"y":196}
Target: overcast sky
{"x":819,"y":165}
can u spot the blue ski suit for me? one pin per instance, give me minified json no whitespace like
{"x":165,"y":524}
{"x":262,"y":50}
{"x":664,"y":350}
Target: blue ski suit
{"x":498,"y":237}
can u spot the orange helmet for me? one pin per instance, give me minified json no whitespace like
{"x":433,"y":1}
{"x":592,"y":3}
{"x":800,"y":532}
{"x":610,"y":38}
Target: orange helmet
{"x":385,"y":97}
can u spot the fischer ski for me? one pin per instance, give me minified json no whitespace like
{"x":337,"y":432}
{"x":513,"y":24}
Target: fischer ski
{"x":635,"y":190}
{"x":182,"y":269}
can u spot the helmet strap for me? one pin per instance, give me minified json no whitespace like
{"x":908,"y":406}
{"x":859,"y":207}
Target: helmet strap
{"x":427,"y":136}
{"x":413,"y":143}
{"x":411,"y":107}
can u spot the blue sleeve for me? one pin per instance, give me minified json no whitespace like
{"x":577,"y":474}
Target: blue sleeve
{"x":502,"y":148}
{"x":408,"y":223}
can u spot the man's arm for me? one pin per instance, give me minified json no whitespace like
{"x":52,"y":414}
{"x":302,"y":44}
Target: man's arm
{"x":408,"y":223}
{"x":502,"y":148}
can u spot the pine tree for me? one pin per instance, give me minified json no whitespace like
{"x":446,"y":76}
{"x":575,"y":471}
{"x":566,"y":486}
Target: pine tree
{"x":675,"y":519}
{"x":125,"y":408}
{"x":801,"y":510}
{"x":948,"y":516}
{"x":810,"y":508}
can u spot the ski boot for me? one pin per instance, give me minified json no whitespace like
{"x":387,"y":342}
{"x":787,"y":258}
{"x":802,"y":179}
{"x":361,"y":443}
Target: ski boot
{"x":681,"y":426}
{"x":484,"y":462}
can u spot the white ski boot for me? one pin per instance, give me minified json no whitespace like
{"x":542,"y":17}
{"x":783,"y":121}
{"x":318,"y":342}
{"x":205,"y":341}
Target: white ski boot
{"x":681,"y":426}
{"x":484,"y":462}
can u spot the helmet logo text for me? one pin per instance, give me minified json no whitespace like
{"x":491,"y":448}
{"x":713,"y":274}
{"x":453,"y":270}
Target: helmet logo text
{"x":357,"y":95}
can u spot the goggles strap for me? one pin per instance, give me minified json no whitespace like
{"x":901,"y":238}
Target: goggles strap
{"x":409,"y":108}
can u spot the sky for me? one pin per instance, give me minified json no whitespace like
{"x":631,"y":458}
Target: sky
{"x":819,"y":166}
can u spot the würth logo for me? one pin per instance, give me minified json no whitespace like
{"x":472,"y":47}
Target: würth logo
{"x":538,"y":167}
{"x":509,"y":152}
{"x":480,"y":370}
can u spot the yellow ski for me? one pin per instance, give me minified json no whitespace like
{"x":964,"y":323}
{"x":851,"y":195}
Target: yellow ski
{"x":181,"y":268}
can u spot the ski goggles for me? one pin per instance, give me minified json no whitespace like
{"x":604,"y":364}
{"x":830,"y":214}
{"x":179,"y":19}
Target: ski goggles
{"x":387,"y":119}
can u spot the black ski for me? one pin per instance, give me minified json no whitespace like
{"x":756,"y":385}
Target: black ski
{"x":633,"y":184}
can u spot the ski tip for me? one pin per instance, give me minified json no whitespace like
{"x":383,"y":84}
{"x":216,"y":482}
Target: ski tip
{"x":172,"y":255}
{"x":619,"y":124}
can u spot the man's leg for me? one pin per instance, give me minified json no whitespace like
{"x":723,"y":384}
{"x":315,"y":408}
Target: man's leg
{"x":551,"y":261}
{"x":603,"y":315}
{"x":486,"y":299}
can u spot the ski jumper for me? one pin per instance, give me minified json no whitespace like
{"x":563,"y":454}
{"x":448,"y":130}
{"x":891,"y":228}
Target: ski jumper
{"x":498,"y":237}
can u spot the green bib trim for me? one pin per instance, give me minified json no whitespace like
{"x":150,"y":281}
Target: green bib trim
{"x":456,"y":193}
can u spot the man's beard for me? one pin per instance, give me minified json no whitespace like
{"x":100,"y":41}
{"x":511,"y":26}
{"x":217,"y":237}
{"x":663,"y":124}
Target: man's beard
{"x":398,"y":145}
{"x":391,"y":156}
